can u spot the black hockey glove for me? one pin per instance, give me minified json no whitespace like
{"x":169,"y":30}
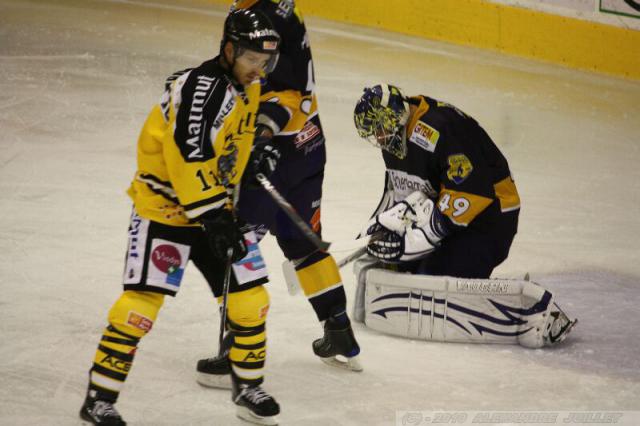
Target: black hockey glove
{"x":223,"y":232}
{"x":387,"y":246}
{"x":264,"y":158}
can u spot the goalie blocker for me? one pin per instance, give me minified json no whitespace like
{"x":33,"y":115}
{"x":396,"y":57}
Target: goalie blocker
{"x":449,"y":309}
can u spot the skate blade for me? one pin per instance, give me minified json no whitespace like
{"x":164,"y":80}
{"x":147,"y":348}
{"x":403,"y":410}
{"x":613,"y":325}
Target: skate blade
{"x":352,"y":364}
{"x":249,"y":416}
{"x":564,"y":333}
{"x":215,"y":381}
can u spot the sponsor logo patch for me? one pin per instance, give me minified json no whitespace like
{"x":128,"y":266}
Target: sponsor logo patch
{"x":460,"y":168}
{"x":136,"y":253}
{"x":116,"y":363}
{"x":308,"y":132}
{"x":195,"y":132}
{"x":251,"y":267}
{"x":425,"y":136}
{"x":139,"y":321}
{"x":405,"y":183}
{"x":255,"y":356}
{"x":167,"y":259}
{"x":264,"y":311}
{"x":269,"y":45}
{"x":253,"y":261}
{"x":315,"y":221}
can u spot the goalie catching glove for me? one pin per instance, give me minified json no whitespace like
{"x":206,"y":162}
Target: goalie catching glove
{"x":409,"y":230}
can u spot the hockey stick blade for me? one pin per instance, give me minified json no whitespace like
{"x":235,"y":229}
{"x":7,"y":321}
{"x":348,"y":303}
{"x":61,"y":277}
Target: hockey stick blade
{"x":291,"y":212}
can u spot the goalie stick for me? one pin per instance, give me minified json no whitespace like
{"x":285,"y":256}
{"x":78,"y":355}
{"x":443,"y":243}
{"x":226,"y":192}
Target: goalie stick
{"x":353,"y":256}
{"x":292,"y":213}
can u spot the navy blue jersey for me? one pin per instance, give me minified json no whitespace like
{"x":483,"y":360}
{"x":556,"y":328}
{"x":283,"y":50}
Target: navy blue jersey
{"x":454,"y":161}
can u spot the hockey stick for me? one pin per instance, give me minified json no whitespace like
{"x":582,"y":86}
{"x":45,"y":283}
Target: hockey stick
{"x":225,"y":297}
{"x":291,"y":212}
{"x":353,"y":256}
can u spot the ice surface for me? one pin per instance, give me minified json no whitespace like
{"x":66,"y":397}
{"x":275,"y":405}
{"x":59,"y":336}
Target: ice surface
{"x":77,"y":78}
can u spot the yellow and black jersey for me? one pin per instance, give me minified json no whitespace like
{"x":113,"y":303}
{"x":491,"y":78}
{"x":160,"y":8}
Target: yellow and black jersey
{"x":194,"y":145}
{"x":454,"y":161}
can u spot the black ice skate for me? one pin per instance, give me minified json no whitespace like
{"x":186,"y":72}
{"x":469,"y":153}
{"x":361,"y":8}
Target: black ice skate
{"x":255,"y":405}
{"x":216,"y":372}
{"x":338,"y":341}
{"x":100,"y":412}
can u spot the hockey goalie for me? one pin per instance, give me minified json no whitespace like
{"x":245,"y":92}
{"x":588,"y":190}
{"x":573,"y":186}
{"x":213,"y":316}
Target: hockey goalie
{"x":447,"y":218}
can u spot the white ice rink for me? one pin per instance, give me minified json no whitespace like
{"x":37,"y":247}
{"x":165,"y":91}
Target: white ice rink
{"x":77,"y":78}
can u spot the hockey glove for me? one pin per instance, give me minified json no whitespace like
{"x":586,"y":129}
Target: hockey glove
{"x":414,"y":241}
{"x":223,"y":232}
{"x":264,"y":158}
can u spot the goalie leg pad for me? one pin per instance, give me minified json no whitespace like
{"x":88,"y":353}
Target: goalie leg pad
{"x":451,"y":309}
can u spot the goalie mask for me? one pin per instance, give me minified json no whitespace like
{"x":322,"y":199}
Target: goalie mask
{"x":380,"y":117}
{"x":251,"y":30}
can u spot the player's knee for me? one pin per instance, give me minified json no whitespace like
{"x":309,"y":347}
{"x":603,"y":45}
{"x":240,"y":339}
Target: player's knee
{"x":248,"y":308}
{"x":135,"y":312}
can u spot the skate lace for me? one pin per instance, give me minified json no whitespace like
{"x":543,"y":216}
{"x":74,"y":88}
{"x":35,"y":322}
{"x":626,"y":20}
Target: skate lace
{"x":256,"y":395}
{"x":104,"y":409}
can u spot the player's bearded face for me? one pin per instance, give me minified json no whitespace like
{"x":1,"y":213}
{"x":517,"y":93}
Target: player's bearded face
{"x":250,"y":65}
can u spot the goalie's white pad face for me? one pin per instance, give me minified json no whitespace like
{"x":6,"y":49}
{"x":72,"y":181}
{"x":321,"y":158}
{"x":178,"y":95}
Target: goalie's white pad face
{"x":452,"y":309}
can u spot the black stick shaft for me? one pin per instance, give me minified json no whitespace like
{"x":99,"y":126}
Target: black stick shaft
{"x":225,"y":298}
{"x":292,"y":213}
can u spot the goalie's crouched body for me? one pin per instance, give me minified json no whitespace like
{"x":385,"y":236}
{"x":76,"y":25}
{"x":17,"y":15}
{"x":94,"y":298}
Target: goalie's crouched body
{"x":449,"y":209}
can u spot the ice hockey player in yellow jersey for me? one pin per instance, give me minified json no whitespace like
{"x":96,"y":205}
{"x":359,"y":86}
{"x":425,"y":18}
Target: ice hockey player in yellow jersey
{"x":290,"y":150}
{"x":192,"y":151}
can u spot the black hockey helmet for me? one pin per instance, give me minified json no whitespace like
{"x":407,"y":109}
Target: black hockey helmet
{"x":251,"y":30}
{"x":380,"y":117}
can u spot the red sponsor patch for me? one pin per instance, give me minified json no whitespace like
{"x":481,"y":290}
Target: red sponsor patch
{"x":264,"y":311}
{"x":308,"y":132}
{"x":166,"y":258}
{"x":139,"y":321}
{"x":315,"y":221}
